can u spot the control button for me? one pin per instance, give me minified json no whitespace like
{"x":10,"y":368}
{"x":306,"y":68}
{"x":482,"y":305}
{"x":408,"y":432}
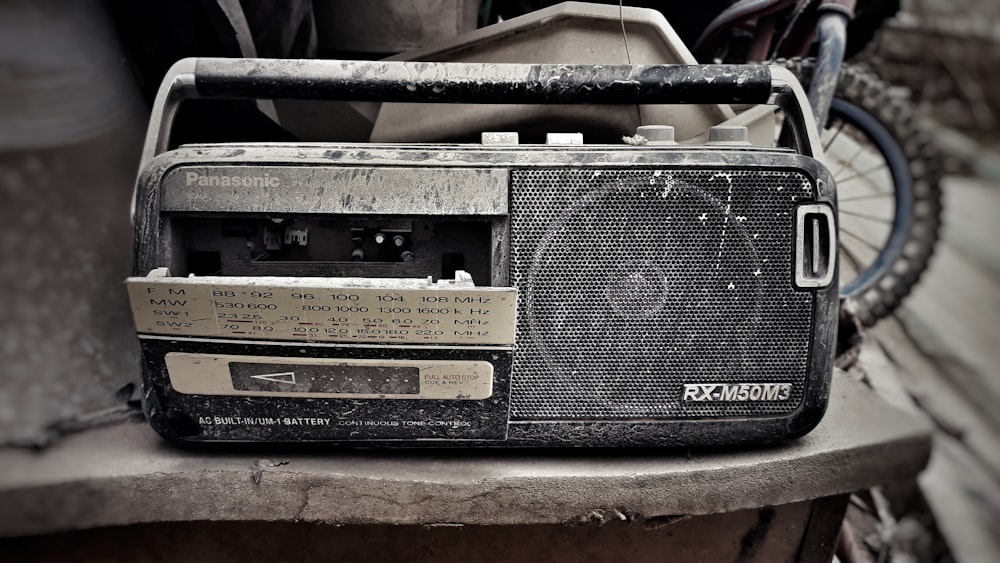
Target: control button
{"x":499,"y":138}
{"x":656,"y":134}
{"x":728,"y":135}
{"x":564,"y":138}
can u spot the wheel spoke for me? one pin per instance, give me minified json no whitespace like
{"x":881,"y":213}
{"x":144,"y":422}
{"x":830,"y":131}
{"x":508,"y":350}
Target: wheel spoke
{"x":853,"y":259}
{"x":860,"y":239}
{"x":840,"y":127}
{"x":880,"y":195}
{"x":847,"y":164}
{"x":866,"y":216}
{"x":859,"y":173}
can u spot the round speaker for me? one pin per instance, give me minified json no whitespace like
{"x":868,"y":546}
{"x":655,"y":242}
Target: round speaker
{"x":631,"y":279}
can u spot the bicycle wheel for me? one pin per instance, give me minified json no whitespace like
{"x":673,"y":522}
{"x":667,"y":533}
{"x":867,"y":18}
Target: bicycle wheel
{"x":887,"y":173}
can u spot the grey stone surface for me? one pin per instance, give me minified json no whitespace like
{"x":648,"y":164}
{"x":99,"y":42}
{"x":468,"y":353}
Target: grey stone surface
{"x":66,"y":342}
{"x":946,"y":344}
{"x":125,"y":474}
{"x":768,"y":535}
{"x":945,"y":52}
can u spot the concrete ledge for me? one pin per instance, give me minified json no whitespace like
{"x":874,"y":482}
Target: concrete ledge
{"x":125,"y":474}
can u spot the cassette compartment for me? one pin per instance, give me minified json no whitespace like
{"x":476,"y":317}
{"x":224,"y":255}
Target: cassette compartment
{"x":330,"y":246}
{"x":332,"y":221}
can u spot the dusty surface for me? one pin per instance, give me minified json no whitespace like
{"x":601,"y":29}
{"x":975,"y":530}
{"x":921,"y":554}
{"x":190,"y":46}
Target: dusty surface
{"x":66,"y":343}
{"x":771,"y":535}
{"x":125,"y":474}
{"x":65,"y":237}
{"x":937,"y":358}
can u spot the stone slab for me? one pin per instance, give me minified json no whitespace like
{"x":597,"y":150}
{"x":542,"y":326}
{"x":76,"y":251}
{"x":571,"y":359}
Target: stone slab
{"x":125,"y":474}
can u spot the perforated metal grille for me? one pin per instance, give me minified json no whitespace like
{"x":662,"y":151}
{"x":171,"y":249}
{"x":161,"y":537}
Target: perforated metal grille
{"x":635,"y":282}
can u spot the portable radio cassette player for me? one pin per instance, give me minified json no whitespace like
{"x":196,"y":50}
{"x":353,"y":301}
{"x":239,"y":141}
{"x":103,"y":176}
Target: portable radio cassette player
{"x":487,"y":294}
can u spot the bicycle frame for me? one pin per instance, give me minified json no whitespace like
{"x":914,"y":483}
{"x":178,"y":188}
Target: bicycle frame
{"x":786,"y":28}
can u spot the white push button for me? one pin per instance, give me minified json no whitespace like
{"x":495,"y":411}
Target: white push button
{"x":728,"y":135}
{"x":656,"y":134}
{"x":499,"y":138}
{"x":564,"y":138}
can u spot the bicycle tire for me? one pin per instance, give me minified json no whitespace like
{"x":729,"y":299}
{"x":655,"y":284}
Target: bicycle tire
{"x":891,"y":124}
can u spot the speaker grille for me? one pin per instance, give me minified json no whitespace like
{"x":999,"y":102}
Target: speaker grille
{"x":634,"y":282}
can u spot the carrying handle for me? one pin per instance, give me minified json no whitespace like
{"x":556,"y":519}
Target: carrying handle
{"x":479,"y":83}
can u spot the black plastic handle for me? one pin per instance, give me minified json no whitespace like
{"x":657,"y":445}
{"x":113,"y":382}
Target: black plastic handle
{"x":482,"y":83}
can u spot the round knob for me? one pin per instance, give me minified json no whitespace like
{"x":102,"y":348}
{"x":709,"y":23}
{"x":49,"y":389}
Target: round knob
{"x":657,"y":134}
{"x":728,"y":135}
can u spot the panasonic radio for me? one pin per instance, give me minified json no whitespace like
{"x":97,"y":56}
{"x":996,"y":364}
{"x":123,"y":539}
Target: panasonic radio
{"x":487,"y":294}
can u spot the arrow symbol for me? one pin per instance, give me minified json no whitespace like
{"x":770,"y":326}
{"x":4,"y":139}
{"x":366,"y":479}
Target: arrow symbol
{"x":282,"y":377}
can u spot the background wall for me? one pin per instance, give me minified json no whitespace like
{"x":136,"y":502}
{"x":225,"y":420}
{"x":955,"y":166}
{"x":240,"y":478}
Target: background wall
{"x":947,"y":52}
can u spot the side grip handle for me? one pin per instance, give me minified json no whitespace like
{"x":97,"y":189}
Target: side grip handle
{"x":815,"y":245}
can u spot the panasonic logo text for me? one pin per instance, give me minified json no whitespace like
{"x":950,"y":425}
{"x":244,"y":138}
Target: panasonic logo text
{"x":206,"y":180}
{"x":737,"y":392}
